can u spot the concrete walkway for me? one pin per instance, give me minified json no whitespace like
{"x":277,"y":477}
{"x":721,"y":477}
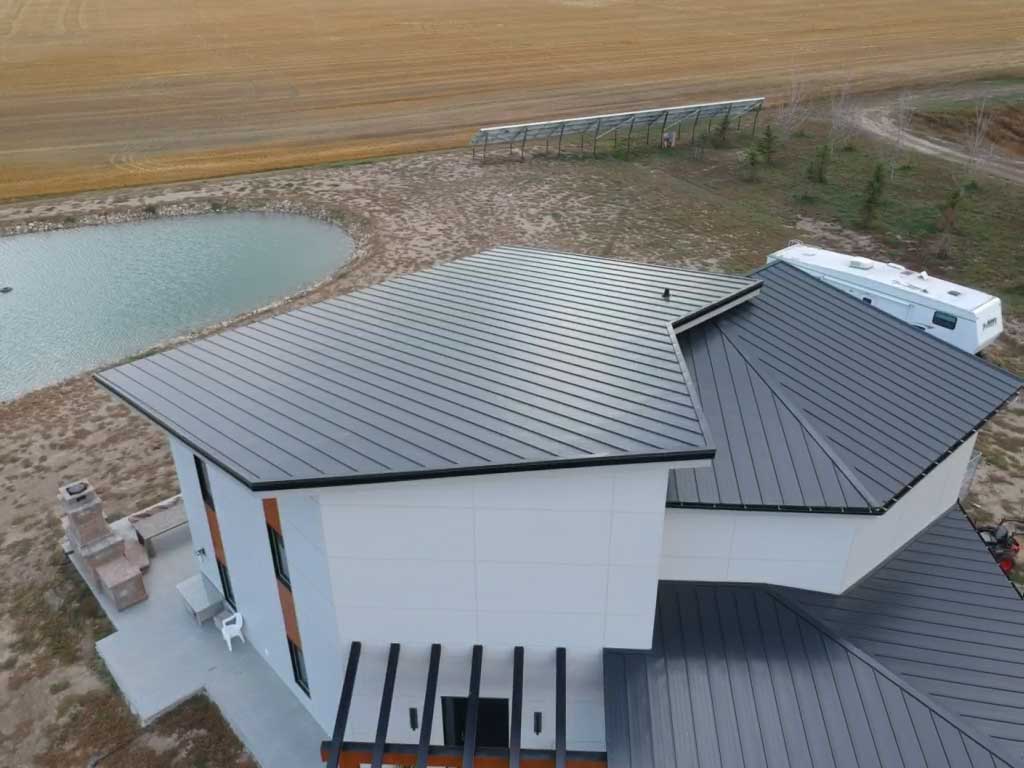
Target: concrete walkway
{"x":159,"y":656}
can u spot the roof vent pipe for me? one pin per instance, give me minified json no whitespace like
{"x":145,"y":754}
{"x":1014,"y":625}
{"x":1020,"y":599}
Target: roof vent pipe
{"x":666,"y":294}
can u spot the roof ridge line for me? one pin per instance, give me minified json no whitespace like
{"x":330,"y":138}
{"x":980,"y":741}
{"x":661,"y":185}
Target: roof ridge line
{"x":899,"y":680}
{"x":799,"y":416}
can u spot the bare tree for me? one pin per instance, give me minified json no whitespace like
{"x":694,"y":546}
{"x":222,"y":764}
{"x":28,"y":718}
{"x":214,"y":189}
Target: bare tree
{"x":794,"y":111}
{"x":843,"y":116}
{"x":900,"y":117}
{"x":977,"y":146}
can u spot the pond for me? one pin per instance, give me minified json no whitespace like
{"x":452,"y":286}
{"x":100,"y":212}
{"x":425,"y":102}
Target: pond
{"x":81,"y":298}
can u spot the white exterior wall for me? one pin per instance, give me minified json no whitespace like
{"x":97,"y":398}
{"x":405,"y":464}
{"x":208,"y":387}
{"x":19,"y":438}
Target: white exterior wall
{"x":540,"y":559}
{"x":821,"y":552}
{"x":243,"y":530}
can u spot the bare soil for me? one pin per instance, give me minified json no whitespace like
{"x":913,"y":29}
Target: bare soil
{"x":98,"y":94}
{"x":404,"y":214}
{"x":1005,"y":129}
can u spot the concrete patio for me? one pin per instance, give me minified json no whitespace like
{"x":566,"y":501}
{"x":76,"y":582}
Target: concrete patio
{"x":159,"y":656}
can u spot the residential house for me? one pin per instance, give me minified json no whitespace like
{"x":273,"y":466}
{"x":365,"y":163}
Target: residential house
{"x":533,"y":508}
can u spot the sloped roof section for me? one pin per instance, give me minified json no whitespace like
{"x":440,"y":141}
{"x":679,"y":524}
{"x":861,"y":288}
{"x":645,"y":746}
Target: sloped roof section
{"x":855,"y":405}
{"x":510,"y":359}
{"x":740,"y":677}
{"x":943,"y":617}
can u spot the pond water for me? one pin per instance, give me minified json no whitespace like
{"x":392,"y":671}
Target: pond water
{"x":85,"y":297}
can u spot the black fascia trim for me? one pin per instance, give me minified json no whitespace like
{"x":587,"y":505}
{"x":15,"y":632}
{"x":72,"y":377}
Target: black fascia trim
{"x":716,"y":305}
{"x":862,"y":511}
{"x":692,"y":454}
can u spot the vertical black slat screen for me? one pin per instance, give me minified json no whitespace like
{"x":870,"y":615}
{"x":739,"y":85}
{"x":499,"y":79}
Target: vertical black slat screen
{"x":517,"y":707}
{"x":473,"y":707}
{"x":344,"y":704}
{"x":428,"y":706}
{"x":385,"y":706}
{"x":560,"y":759}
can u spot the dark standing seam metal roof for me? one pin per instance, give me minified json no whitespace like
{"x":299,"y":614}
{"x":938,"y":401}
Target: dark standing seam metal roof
{"x":740,"y":676}
{"x":943,"y":617}
{"x":816,"y":400}
{"x":510,"y":359}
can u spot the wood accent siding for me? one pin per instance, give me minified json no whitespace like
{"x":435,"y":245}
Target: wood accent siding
{"x":271,"y":513}
{"x":291,"y":624}
{"x":218,"y":544}
{"x":284,"y":592}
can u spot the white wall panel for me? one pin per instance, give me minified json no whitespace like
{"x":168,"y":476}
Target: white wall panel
{"x":817,"y":551}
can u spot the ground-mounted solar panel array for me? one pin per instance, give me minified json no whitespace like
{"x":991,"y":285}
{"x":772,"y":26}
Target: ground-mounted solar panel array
{"x":627,"y":126}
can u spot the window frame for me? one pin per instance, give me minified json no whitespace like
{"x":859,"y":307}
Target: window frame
{"x":299,"y":670}
{"x":204,"y":482}
{"x":944,"y":320}
{"x":279,"y":556}
{"x":225,"y":584}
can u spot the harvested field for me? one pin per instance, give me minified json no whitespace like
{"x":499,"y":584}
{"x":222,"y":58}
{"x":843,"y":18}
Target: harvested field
{"x":98,"y":95}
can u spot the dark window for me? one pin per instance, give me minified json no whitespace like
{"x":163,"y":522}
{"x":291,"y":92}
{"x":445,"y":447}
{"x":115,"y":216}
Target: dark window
{"x":865,"y":299}
{"x":278,"y":554}
{"x":944,"y":320}
{"x":298,"y":667}
{"x":491,"y":727}
{"x":225,"y":584}
{"x":204,"y":483}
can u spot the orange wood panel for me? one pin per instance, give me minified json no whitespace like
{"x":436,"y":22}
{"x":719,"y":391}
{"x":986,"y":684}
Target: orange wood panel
{"x":270,"y":512}
{"x":291,"y":624}
{"x":218,"y":544}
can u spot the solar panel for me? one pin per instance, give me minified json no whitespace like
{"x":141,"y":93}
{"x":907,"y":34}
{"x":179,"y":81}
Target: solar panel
{"x":604,"y":124}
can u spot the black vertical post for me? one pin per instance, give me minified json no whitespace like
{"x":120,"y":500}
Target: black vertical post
{"x":629,"y":136}
{"x":664,"y":125}
{"x":486,"y":136}
{"x":522,"y":147}
{"x":560,"y":134}
{"x":428,"y":706}
{"x":597,"y":131}
{"x":693,"y":133}
{"x":757,"y":112}
{"x":517,"y":707}
{"x":344,"y":704}
{"x":385,"y":707}
{"x":473,"y":707}
{"x":560,"y":757}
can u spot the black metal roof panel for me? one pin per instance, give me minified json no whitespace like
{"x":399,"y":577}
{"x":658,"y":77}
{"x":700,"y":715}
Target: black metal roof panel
{"x":740,"y":676}
{"x":510,"y":359}
{"x":943,"y":617}
{"x":816,"y":400}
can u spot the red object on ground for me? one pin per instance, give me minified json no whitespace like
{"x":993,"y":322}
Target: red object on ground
{"x":1006,"y":565}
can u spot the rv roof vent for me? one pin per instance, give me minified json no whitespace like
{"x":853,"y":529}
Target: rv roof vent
{"x":954,"y":293}
{"x":860,"y":263}
{"x":923,"y":275}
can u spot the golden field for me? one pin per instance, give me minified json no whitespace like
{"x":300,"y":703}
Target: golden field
{"x":108,"y":93}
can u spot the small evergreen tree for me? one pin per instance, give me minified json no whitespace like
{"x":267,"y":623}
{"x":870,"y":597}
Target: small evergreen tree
{"x":750,"y":160}
{"x":768,"y":145}
{"x":817,"y":171}
{"x":720,"y":137}
{"x":873,"y":198}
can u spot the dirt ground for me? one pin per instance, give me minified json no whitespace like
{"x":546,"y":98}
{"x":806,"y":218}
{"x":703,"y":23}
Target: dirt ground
{"x":98,"y":94}
{"x":404,"y":214}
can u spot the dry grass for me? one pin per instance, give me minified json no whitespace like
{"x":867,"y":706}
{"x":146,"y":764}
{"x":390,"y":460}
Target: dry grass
{"x":102,"y":94}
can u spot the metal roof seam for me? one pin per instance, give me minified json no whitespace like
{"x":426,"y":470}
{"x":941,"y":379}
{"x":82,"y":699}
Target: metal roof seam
{"x":809,"y":428}
{"x":898,"y":680}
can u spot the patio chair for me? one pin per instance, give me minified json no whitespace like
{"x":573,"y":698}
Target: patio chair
{"x":232,"y":628}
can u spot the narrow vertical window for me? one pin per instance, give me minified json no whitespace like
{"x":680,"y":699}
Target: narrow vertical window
{"x":204,"y":483}
{"x":279,"y":556}
{"x":298,"y":666}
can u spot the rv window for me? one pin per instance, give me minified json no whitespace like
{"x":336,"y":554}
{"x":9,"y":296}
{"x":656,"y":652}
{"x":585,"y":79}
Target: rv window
{"x":944,"y":320}
{"x":865,"y":299}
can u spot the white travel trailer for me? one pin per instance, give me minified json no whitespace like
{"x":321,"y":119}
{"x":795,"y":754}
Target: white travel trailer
{"x":964,"y":317}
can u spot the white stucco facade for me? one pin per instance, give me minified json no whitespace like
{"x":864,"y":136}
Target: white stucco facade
{"x":822,"y":552}
{"x":548,"y":559}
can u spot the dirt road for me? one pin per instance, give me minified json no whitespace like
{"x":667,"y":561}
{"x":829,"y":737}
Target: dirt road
{"x":97,"y":94}
{"x":877,"y":118}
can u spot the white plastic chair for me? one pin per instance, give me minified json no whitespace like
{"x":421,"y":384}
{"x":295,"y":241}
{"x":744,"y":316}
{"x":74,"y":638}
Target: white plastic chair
{"x":232,"y":628}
